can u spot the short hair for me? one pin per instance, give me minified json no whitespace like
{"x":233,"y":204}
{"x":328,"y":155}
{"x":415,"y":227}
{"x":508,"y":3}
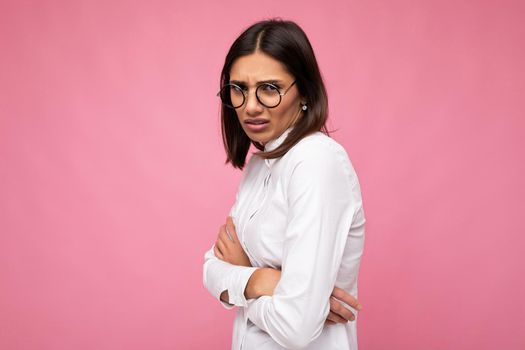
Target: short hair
{"x":287,"y":43}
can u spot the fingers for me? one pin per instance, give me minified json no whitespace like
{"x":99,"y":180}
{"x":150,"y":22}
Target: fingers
{"x":228,"y":246}
{"x":228,"y":234}
{"x":224,"y":236}
{"x":217,"y":252}
{"x":335,"y":318}
{"x":230,"y":228}
{"x":342,"y":295}
{"x":329,"y":322}
{"x":222,"y":247}
{"x":338,"y":308}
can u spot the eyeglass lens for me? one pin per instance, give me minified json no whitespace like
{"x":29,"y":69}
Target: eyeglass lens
{"x":233,"y":96}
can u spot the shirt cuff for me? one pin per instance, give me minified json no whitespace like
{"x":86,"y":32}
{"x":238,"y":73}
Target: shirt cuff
{"x":255,"y":310}
{"x":236,"y":285}
{"x":226,"y":305}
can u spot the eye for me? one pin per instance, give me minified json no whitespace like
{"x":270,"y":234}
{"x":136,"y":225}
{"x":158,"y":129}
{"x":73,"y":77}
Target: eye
{"x":270,"y":87}
{"x":237,"y":87}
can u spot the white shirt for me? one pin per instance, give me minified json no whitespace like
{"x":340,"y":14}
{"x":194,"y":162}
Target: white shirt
{"x":301,"y":213}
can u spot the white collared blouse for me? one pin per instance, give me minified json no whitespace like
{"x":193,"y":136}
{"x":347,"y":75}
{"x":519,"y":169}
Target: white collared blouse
{"x":301,"y":213}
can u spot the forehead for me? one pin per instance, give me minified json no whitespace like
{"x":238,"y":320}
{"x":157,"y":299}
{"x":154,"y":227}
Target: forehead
{"x":257,"y":66}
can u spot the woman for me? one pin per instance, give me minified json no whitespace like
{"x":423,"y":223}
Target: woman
{"x":288,"y":255}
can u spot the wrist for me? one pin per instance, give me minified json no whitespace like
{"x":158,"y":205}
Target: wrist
{"x":252,"y":290}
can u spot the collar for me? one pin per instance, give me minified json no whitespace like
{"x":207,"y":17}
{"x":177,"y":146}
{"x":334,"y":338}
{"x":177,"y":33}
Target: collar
{"x":273,"y":144}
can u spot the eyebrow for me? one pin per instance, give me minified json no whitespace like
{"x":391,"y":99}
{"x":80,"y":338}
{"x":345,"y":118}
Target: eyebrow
{"x":270,"y":81}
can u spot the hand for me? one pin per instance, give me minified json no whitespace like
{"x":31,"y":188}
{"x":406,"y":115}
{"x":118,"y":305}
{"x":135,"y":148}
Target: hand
{"x":339,"y":313}
{"x":228,"y":248}
{"x":264,"y":280}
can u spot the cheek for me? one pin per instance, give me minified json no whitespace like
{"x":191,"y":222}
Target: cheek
{"x":284,"y":113}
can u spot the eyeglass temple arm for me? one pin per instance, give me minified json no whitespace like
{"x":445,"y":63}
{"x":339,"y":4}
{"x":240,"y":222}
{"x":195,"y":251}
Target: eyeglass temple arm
{"x":284,"y":93}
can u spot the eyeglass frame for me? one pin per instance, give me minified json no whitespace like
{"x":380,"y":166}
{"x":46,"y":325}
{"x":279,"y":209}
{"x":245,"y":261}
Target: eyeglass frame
{"x":281,"y":94}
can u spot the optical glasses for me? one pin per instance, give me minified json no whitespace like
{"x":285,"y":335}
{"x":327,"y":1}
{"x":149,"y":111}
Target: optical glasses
{"x":268,"y":94}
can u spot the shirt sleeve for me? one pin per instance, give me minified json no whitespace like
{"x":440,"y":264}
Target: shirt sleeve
{"x":323,"y":197}
{"x":219,"y":275}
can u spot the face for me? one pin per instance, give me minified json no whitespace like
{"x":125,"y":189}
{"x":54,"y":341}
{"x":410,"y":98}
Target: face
{"x":248,"y":71}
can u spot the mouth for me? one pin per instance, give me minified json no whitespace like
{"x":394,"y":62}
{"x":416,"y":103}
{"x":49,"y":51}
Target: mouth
{"x":256,"y":121}
{"x":256,"y":124}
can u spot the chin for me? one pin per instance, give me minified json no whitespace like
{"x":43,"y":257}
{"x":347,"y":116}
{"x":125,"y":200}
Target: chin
{"x":257,"y":137}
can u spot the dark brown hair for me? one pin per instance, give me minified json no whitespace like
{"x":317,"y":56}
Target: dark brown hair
{"x":286,"y":42}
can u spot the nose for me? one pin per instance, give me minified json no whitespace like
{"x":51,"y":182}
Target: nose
{"x":252,"y":103}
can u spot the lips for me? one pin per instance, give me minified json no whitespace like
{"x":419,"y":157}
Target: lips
{"x":257,"y":124}
{"x":256,"y":121}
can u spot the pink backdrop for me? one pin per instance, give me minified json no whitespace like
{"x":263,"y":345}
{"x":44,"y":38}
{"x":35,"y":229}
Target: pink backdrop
{"x":113,"y":183}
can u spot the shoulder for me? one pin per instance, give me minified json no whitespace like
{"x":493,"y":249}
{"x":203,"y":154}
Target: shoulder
{"x":322,"y":154}
{"x":318,"y":143}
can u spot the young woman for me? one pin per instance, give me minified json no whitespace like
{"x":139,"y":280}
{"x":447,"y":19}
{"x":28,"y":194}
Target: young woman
{"x":288,"y":256}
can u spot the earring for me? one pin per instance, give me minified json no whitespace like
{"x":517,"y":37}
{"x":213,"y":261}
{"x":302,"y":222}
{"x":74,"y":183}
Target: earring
{"x":304,"y":107}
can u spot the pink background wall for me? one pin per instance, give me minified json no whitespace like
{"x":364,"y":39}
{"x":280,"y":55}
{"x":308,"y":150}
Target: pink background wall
{"x":112,"y":182}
